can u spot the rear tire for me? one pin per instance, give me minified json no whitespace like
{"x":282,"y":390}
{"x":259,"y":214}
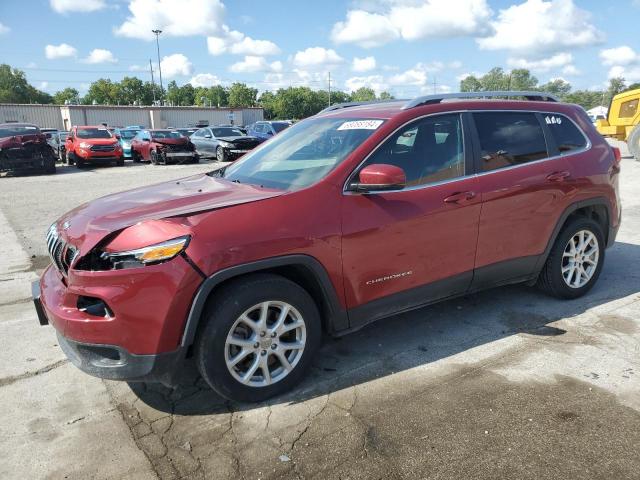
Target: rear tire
{"x":135,"y":157}
{"x":633,"y":142}
{"x":120,"y":162}
{"x":263,"y":299}
{"x":571,"y":272}
{"x":154,"y":157}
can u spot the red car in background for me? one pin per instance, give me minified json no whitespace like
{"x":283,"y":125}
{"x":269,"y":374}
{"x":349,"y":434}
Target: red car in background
{"x":163,"y":146}
{"x":88,"y":144}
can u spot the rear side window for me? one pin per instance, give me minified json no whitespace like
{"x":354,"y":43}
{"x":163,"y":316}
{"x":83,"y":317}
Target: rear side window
{"x":565,"y":133}
{"x":509,"y":138}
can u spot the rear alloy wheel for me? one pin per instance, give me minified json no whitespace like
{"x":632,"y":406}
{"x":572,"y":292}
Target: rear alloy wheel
{"x":221,"y":155}
{"x":260,"y":336}
{"x":575,"y":260}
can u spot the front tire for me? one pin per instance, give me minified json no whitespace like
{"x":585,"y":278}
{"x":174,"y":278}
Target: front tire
{"x":575,"y":261}
{"x":260,"y":335}
{"x":154,"y":157}
{"x":221,"y":155}
{"x":69,"y":158}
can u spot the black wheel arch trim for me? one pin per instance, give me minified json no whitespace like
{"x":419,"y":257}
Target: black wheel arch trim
{"x":591,"y":202}
{"x":336,"y":320}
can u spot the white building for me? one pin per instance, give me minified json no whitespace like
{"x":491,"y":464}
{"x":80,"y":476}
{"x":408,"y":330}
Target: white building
{"x":63,"y":117}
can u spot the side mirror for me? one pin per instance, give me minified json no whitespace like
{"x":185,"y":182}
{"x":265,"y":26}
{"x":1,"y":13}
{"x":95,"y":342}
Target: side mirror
{"x":380,"y":177}
{"x":118,"y":136}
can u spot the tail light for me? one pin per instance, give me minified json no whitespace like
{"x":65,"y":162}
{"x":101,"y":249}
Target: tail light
{"x":616,"y":153}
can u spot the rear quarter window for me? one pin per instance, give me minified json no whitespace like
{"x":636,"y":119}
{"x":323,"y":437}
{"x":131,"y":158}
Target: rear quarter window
{"x":566,"y":134}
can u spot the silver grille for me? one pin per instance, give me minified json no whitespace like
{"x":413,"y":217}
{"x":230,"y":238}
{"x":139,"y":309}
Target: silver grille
{"x":62,"y":254}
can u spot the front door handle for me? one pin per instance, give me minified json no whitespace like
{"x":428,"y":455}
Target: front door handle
{"x":460,"y":197}
{"x":558,"y":176}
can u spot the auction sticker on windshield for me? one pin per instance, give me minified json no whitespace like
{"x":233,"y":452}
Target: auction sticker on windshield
{"x":360,"y":125}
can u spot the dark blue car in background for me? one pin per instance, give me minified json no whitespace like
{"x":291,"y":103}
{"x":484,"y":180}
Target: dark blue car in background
{"x":264,"y":130}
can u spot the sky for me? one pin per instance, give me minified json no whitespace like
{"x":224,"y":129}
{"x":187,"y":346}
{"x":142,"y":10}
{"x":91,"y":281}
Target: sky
{"x":406,"y":47}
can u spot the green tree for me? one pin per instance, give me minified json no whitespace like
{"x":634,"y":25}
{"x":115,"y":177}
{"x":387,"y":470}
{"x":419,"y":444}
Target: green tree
{"x":363,"y":94}
{"x":131,"y":90}
{"x":633,"y":86}
{"x":69,"y":94}
{"x":102,"y":92}
{"x":521,"y":79}
{"x":616,"y":85}
{"x":386,"y":96}
{"x":585,"y":98}
{"x":240,"y":95}
{"x":495,"y":80}
{"x":267,"y":101}
{"x":14,"y":88}
{"x":470,"y":83}
{"x":557,"y":87}
{"x":183,"y":95}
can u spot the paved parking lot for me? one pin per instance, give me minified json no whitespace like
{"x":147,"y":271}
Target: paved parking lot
{"x":507,"y":383}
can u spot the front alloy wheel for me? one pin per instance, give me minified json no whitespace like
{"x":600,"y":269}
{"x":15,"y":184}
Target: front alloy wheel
{"x":257,"y":338}
{"x":265,"y":343}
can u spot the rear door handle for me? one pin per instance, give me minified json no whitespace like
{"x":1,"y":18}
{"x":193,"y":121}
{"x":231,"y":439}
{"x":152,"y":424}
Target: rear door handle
{"x":558,"y":176}
{"x":460,"y":197}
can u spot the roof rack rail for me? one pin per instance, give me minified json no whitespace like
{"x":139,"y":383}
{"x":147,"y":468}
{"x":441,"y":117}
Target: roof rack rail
{"x":338,"y":106}
{"x":431,"y":99}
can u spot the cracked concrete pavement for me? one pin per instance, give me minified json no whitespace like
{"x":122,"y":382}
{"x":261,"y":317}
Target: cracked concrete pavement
{"x":507,"y":383}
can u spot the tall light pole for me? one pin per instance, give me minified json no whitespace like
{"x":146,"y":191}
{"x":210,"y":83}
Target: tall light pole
{"x":158,"y":32}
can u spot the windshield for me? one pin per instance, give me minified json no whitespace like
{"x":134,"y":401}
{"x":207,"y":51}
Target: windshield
{"x":166,"y":134}
{"x":227,"y":132}
{"x":93,"y":133}
{"x":302,"y":154}
{"x":278,"y":127}
{"x":127,"y":134}
{"x":18,"y":130}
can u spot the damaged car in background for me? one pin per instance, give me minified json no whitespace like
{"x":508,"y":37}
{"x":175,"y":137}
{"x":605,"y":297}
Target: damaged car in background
{"x":23,"y":147}
{"x":163,"y":146}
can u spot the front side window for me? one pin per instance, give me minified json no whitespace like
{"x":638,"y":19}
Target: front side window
{"x":509,"y":138}
{"x":565,"y":133}
{"x":279,"y":126}
{"x":301,"y":155}
{"x":429,"y":150}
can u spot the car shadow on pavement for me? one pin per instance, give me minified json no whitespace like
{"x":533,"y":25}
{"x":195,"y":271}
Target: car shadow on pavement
{"x":417,"y":338}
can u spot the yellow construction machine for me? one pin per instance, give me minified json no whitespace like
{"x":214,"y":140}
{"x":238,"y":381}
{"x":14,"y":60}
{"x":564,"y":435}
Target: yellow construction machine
{"x":623,"y":121}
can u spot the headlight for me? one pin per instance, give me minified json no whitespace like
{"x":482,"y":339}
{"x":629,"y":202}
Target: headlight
{"x":84,"y":145}
{"x":160,"y":252}
{"x":224,"y":144}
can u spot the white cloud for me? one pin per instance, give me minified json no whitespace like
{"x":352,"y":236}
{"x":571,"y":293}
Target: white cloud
{"x":253,"y":63}
{"x":413,"y":20}
{"x":416,"y":76}
{"x":232,"y":41}
{"x":100,"y":55}
{"x":317,"y":57}
{"x":4,"y":29}
{"x":571,"y":70}
{"x":176,"y":18}
{"x":43,"y":85}
{"x":376,"y":82}
{"x":66,"y":6}
{"x":363,"y":64}
{"x":205,"y":80}
{"x":176,"y":64}
{"x":543,"y":65}
{"x":630,"y":74}
{"x":536,"y":27}
{"x":63,"y":50}
{"x":365,"y":29}
{"x":622,"y":55}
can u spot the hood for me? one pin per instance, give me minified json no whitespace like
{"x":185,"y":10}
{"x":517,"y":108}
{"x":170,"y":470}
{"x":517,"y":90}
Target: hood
{"x":98,"y":141}
{"x":87,"y":224}
{"x":19,"y":140}
{"x":238,"y":139}
{"x":171,"y":141}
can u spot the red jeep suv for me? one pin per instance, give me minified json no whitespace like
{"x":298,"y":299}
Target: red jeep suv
{"x":88,"y":144}
{"x":358,"y":213}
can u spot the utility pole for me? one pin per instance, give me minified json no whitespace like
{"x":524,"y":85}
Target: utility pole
{"x":329,"y":88}
{"x":158,"y":32}
{"x":153,"y":83}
